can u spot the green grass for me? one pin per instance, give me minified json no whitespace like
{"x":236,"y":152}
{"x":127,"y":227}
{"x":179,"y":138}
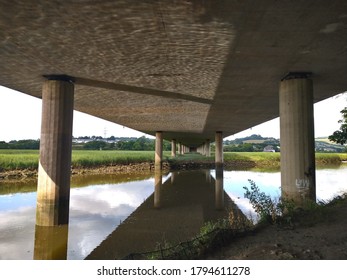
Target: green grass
{"x":28,"y":159}
{"x":190,"y":157}
{"x":260,"y":159}
{"x":98,"y":158}
{"x":18,"y":159}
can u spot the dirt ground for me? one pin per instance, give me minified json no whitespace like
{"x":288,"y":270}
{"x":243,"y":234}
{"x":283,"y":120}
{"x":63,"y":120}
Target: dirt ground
{"x":318,"y":234}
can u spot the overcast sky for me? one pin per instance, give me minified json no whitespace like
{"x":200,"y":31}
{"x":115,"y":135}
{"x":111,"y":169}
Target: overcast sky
{"x":20,"y":116}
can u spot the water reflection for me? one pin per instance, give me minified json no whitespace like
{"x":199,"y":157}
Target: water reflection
{"x":219,"y":189}
{"x":51,"y":242}
{"x":157,"y":188}
{"x":100,"y":204}
{"x":186,"y":203}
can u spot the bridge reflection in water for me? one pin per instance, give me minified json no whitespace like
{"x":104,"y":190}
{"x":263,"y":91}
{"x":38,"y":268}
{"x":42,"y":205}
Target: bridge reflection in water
{"x":175,"y":212}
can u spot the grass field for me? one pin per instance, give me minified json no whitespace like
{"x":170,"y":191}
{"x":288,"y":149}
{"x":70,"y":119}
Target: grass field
{"x":28,"y":159}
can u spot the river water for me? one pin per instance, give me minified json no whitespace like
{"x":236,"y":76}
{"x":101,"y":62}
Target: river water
{"x":112,"y":216}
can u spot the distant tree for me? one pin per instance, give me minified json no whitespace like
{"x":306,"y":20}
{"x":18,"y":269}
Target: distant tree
{"x":95,"y":145}
{"x":28,"y":144}
{"x":4,"y":145}
{"x":340,"y":136}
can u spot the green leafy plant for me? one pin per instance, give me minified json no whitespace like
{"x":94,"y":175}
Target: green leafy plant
{"x":268,"y":209}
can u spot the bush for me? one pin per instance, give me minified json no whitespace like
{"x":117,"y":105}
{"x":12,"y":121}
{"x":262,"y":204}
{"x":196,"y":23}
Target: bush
{"x":269,"y":210}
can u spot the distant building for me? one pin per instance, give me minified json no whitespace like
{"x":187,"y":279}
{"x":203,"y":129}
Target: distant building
{"x":269,"y":148}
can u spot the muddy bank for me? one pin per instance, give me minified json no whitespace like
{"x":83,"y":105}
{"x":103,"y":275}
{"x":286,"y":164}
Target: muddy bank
{"x":23,"y":174}
{"x":171,"y":165}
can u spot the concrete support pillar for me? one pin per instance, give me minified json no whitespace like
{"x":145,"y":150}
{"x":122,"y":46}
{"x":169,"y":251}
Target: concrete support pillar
{"x":173,"y":148}
{"x":203,"y":149}
{"x":180,"y":148}
{"x":297,"y":140}
{"x":207,"y":148}
{"x":219,"y":148}
{"x":53,"y":190}
{"x":158,"y":150}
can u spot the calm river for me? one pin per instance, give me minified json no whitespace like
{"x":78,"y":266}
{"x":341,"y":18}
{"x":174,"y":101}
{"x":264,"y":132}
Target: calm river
{"x":130,"y":213}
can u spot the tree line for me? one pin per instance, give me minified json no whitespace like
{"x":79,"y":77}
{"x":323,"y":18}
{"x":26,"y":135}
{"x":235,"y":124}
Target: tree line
{"x":137,"y":144}
{"x":94,"y":143}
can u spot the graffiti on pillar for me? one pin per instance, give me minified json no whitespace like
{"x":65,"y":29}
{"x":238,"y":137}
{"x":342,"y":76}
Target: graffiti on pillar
{"x":302,"y":183}
{"x":303,"y":186}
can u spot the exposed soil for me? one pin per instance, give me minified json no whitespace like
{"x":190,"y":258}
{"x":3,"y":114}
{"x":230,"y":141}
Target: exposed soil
{"x":317,"y":234}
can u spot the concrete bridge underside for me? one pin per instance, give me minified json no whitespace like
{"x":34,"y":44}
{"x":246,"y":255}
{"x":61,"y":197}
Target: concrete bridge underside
{"x":188,"y":71}
{"x":187,"y":68}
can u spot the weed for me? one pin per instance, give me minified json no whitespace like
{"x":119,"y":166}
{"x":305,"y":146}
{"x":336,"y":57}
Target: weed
{"x":269,"y":210}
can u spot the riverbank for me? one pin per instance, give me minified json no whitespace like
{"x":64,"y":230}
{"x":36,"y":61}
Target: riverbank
{"x":22,"y":164}
{"x":314,"y":234}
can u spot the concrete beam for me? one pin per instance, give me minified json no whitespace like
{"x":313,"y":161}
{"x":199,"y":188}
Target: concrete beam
{"x":297,"y":139}
{"x":53,"y":189}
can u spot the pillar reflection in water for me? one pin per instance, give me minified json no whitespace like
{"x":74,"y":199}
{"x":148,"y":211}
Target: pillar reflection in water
{"x":208,"y":176}
{"x":51,"y":242}
{"x":173,"y":177}
{"x":219,"y":188}
{"x":157,"y":187}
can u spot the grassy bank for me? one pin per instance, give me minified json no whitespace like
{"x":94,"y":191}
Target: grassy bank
{"x":28,"y":159}
{"x":268,"y":160}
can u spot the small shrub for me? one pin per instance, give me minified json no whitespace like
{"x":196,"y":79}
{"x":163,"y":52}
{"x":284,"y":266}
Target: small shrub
{"x":268,"y":209}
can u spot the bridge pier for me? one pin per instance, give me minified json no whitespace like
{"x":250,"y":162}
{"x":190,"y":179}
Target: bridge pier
{"x":53,"y":188}
{"x":207,"y":148}
{"x":158,"y":150}
{"x":297,"y":139}
{"x":219,"y":148}
{"x":173,"y":147}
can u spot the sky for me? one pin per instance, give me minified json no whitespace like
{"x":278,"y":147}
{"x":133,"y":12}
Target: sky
{"x":20,"y":118}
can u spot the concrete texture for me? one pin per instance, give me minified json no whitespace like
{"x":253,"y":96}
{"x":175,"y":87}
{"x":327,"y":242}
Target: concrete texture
{"x":219,"y":148}
{"x":187,"y":68}
{"x":53,"y":188}
{"x":158,"y":159}
{"x":173,"y":147}
{"x":297,"y":140}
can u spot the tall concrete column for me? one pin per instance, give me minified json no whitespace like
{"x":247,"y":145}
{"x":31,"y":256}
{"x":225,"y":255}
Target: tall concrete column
{"x":207,"y":148}
{"x":53,"y":189}
{"x":158,"y":150}
{"x":219,"y":148}
{"x":173,"y":147}
{"x":180,"y":149}
{"x":297,"y":139}
{"x":203,"y":149}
